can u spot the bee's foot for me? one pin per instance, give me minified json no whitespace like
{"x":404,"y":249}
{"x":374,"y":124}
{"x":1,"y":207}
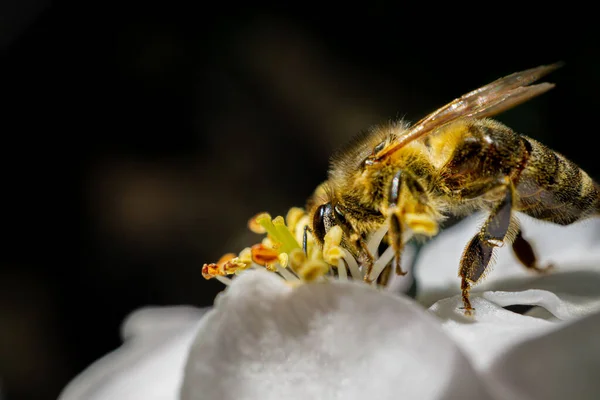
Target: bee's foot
{"x":543,"y":270}
{"x":468,"y":311}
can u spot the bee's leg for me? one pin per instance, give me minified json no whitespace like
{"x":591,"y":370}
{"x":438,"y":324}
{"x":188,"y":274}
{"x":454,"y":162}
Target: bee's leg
{"x":305,"y":238}
{"x":356,"y":241}
{"x":407,"y":211}
{"x":478,"y":253}
{"x":396,"y":241}
{"x":384,"y":277}
{"x":526,"y":255}
{"x":395,"y":230}
{"x":364,"y":255}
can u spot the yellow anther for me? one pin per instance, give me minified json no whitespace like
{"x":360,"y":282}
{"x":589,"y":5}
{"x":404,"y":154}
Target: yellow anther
{"x":263,"y":255}
{"x":294,"y":215}
{"x":312,"y":270}
{"x":268,"y":242}
{"x":283,"y":259}
{"x":334,"y":236}
{"x":332,"y":255}
{"x":332,"y":252}
{"x":299,"y":231}
{"x":278,"y":221}
{"x":225,"y":257}
{"x":255,"y":226}
{"x":209,"y":271}
{"x":234,"y":265}
{"x":246,"y":255}
{"x":271,"y":267}
{"x":296,"y":259}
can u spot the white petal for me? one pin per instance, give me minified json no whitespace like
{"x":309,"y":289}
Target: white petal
{"x":564,"y":307}
{"x":149,"y":365}
{"x":341,"y":340}
{"x":494,"y":330}
{"x":564,"y":364}
{"x":490,"y":332}
{"x":574,"y":250}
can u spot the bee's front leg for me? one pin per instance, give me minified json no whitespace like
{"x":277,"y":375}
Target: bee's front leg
{"x":396,"y":241}
{"x":478,"y":254}
{"x":395,"y":223}
{"x":407,"y":209}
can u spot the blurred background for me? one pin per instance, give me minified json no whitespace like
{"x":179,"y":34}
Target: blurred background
{"x":138,"y":139}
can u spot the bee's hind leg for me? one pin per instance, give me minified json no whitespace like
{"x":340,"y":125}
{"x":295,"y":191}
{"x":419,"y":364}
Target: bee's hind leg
{"x":478,"y":254}
{"x":525,"y":254}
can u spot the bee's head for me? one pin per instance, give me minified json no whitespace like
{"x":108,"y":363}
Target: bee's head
{"x":323,"y":220}
{"x":325,"y":217}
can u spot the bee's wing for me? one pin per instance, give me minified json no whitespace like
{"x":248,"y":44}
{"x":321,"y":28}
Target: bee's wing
{"x":486,"y":101}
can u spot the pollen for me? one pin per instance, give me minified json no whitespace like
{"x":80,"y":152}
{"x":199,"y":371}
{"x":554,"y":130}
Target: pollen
{"x":332,"y":252}
{"x":254,"y":226}
{"x":293,"y":217}
{"x":421,"y":224}
{"x":265,"y":256}
{"x":279,"y":252}
{"x":312,"y":270}
{"x":296,"y":259}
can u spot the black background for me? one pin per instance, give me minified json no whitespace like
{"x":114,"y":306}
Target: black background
{"x":139,"y":139}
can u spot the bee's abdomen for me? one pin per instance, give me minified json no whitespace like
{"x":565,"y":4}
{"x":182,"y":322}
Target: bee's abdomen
{"x":554,"y":189}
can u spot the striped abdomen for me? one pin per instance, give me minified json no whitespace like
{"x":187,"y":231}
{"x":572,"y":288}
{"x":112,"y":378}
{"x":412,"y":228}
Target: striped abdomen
{"x":552,"y":188}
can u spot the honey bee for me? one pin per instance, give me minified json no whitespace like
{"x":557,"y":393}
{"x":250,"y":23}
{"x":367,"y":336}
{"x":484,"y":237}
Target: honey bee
{"x":451,"y":163}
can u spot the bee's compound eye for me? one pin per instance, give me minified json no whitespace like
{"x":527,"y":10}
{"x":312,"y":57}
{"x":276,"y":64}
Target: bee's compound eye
{"x":322,"y":221}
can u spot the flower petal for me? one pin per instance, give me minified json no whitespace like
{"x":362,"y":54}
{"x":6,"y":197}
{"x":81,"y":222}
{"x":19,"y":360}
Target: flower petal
{"x":490,"y":332}
{"x":563,"y":307}
{"x":493,"y":329}
{"x":338,"y":340}
{"x":148,"y":365}
{"x":574,"y":250}
{"x":561,"y":365}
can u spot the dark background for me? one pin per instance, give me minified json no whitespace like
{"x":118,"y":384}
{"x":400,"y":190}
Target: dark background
{"x":138,"y":139}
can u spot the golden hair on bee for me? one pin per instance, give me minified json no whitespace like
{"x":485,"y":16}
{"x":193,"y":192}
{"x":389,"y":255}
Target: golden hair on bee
{"x":399,"y":180}
{"x":454,"y":161}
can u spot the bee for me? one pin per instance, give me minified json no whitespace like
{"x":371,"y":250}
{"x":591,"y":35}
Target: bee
{"x":453,"y":162}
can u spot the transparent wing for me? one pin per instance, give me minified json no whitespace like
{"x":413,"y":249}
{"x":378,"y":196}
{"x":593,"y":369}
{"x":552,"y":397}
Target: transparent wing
{"x":486,"y":101}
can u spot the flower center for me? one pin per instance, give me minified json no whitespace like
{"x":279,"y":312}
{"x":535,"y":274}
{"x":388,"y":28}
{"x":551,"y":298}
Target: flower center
{"x":280,"y":252}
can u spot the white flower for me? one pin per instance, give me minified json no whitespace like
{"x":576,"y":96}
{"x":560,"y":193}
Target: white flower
{"x":265,"y":339}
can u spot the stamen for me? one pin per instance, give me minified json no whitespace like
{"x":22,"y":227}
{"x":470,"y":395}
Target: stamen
{"x":280,"y":252}
{"x":293,"y":217}
{"x":312,"y":270}
{"x":376,"y":238}
{"x":352,"y":265}
{"x":254,"y":226}
{"x":382,"y":262}
{"x":224,"y":280}
{"x":262,"y":255}
{"x":342,"y":271}
{"x":332,"y":251}
{"x":296,"y":259}
{"x":299,"y":231}
{"x":287,"y":274}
